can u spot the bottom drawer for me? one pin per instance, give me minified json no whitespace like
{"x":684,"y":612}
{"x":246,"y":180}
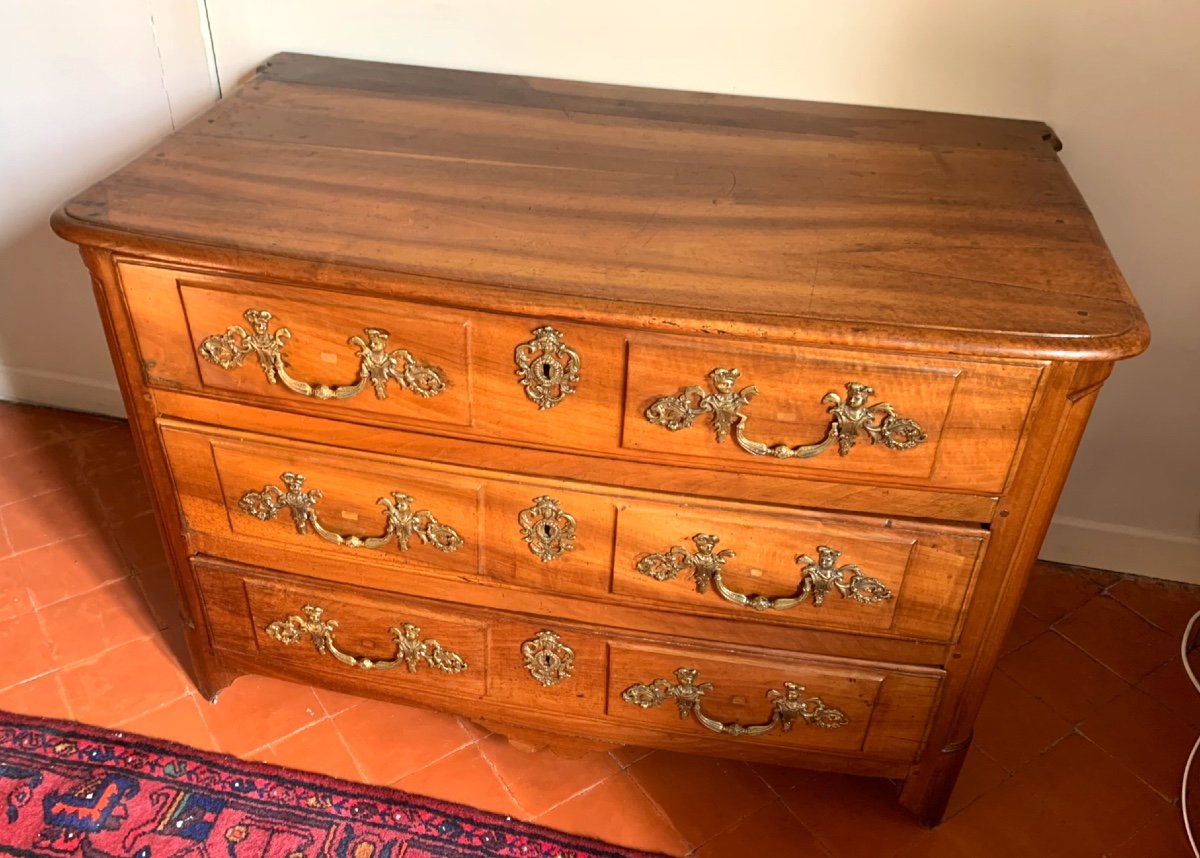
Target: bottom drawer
{"x":585,"y":681}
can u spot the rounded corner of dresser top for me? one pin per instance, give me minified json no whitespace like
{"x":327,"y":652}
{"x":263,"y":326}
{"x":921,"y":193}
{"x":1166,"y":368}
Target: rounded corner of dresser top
{"x":77,"y":220}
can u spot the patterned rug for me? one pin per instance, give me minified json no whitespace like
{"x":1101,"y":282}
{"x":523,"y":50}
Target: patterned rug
{"x":71,"y":790}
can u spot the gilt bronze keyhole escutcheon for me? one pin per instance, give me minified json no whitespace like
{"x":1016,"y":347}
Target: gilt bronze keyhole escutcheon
{"x":547,"y":368}
{"x":548,"y":530}
{"x":547,"y":658}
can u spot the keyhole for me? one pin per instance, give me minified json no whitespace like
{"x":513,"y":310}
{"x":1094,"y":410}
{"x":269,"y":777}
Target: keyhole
{"x":547,"y":660}
{"x":548,"y":530}
{"x":547,"y":373}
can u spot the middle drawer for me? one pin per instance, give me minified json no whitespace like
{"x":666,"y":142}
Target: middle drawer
{"x":397,"y":525}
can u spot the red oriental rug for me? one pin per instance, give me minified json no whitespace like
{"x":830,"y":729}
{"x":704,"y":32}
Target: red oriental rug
{"x":71,"y":790}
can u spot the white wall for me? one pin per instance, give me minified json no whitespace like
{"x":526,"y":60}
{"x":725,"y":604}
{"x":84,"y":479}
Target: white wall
{"x":88,"y":85}
{"x":1118,"y":80}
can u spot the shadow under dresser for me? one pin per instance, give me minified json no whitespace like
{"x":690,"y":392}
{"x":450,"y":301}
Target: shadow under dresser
{"x":601,"y":414}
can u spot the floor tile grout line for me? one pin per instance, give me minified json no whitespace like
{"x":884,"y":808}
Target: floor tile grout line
{"x":90,"y":591}
{"x":776,"y":796}
{"x":52,"y":675}
{"x":435,"y":761}
{"x":24,"y":551}
{"x":817,"y":838}
{"x":1061,"y":634}
{"x":1139,"y":614}
{"x":155,"y":635}
{"x":62,"y":693}
{"x":765,"y":782}
{"x":743,"y":818}
{"x":1075,"y":730}
{"x":271,"y":744}
{"x":504,"y":783}
{"x":362,"y":775}
{"x":157,"y":708}
{"x":1015,"y":678}
{"x":29,"y":679}
{"x":6,"y":539}
{"x":432,"y":762}
{"x":1175,"y":809}
{"x":59,"y":487}
{"x":1121,"y":765}
{"x":188,"y":695}
{"x":649,"y":799}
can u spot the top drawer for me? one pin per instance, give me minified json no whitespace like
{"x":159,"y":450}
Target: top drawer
{"x":378,"y":361}
{"x":753,"y":408}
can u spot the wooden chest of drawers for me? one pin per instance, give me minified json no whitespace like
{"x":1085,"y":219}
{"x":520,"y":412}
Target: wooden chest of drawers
{"x":722,"y":424}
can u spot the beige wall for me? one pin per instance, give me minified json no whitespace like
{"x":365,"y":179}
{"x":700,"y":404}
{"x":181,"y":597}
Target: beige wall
{"x":1117,"y":79}
{"x":88,"y":85}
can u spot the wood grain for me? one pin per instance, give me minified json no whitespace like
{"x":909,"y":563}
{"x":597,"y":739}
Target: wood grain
{"x":929,"y":567}
{"x":887,"y":706}
{"x":951,"y":227}
{"x":973,"y":413}
{"x":946,"y":261}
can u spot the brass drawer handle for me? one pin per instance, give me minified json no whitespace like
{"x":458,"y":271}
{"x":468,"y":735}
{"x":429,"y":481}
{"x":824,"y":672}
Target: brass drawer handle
{"x":849,"y":420}
{"x":377,"y":366}
{"x":402,"y":523}
{"x":817,"y":577}
{"x":410,"y":649}
{"x":787,"y":706}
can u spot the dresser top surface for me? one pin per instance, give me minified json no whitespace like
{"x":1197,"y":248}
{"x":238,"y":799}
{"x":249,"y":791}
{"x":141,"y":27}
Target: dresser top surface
{"x":783,"y":219}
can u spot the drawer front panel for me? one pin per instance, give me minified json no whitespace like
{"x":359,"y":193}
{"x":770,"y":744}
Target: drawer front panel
{"x":456,"y":653}
{"x":427,"y":651}
{"x":806,"y":411}
{"x":562,"y":386}
{"x":835,"y":706}
{"x":453,"y":371}
{"x":225,"y":481}
{"x":397,"y":521}
{"x":324,"y":344}
{"x":437,"y":651}
{"x":340,"y":506}
{"x":864,"y":575}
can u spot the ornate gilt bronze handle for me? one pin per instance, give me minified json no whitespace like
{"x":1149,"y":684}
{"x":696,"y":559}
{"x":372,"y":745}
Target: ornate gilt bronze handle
{"x":402,"y":523}
{"x":849,"y":419}
{"x":377,"y":366}
{"x":411,"y":651}
{"x":787,"y":706}
{"x":817,"y":577}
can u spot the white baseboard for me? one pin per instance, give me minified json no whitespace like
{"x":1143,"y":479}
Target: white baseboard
{"x":1134,"y":550}
{"x":61,"y":391}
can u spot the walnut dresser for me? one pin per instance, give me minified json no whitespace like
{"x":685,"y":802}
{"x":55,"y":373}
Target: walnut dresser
{"x":592,"y":413}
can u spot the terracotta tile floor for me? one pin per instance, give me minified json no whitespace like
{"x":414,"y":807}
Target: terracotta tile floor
{"x":1078,"y":753}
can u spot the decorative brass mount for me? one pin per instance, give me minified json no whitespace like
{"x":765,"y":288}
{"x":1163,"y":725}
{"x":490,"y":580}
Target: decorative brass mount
{"x":817,"y":577}
{"x":402,"y":524}
{"x":377,"y":366}
{"x":849,"y":420}
{"x":787,"y":706}
{"x":547,"y":658}
{"x":411,"y":651}
{"x":548,"y":530}
{"x":547,"y":368}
